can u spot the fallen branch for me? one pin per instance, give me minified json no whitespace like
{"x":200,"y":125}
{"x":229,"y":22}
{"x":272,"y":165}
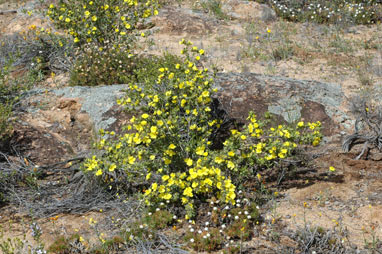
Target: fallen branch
{"x":7,"y":12}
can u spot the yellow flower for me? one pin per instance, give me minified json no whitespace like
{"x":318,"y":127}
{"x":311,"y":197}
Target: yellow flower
{"x":300,"y":124}
{"x":67,"y":20}
{"x":99,"y":172}
{"x":112,"y":167}
{"x":131,"y":160}
{"x":143,"y":34}
{"x":201,"y":51}
{"x":230,"y":165}
{"x":231,"y":153}
{"x":165,"y":178}
{"x":200,"y":150}
{"x":172,"y":146}
{"x":87,"y":13}
{"x":188,"y":161}
{"x":76,"y":40}
{"x":167,"y":196}
{"x":94,"y":18}
{"x":188,"y":192}
{"x":332,"y":169}
{"x":218,"y":160}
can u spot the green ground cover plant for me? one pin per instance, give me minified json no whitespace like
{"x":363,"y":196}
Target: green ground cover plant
{"x":335,"y":12}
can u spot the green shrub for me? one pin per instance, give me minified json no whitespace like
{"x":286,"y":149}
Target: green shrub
{"x":37,"y":50}
{"x":101,"y":22}
{"x":168,"y":140}
{"x":337,"y":11}
{"x":6,"y":100}
{"x":109,"y":66}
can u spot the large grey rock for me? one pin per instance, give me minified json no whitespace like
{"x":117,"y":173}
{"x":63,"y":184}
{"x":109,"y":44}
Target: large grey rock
{"x":290,"y":99}
{"x":248,"y":10}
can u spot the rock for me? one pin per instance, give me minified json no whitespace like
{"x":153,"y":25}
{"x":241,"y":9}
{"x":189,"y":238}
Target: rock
{"x":63,"y":121}
{"x":248,"y":10}
{"x":287,"y":98}
{"x":181,"y":21}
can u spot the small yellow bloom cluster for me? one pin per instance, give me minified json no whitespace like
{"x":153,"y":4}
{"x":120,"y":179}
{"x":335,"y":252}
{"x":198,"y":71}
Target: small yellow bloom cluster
{"x":256,"y":147}
{"x":101,"y":21}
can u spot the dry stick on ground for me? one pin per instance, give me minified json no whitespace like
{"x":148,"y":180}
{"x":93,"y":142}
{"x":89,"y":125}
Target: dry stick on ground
{"x":7,"y":12}
{"x":373,"y":121}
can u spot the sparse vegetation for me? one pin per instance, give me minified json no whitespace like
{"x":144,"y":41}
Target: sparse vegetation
{"x":181,"y":175}
{"x":337,"y":12}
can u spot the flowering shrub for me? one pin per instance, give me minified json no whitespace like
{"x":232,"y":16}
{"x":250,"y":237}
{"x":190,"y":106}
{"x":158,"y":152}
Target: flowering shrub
{"x":101,"y":22}
{"x":168,"y":143}
{"x":357,"y":12}
{"x":220,"y":225}
{"x":256,"y":148}
{"x":102,"y":67}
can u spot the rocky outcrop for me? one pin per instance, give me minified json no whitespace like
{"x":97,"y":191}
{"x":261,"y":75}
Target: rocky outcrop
{"x":290,"y":99}
{"x":63,"y":121}
{"x":248,"y":10}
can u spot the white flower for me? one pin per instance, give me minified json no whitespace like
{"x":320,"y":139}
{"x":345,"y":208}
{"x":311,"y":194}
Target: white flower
{"x":206,"y":229}
{"x":199,"y":231}
{"x":245,"y":212}
{"x":140,"y":226}
{"x":208,"y":235}
{"x":192,"y":240}
{"x":207,"y":223}
{"x":174,"y":217}
{"x":249,"y":217}
{"x":236,"y":217}
{"x":215,"y":208}
{"x":150,"y":214}
{"x":209,"y":213}
{"x":192,"y":230}
{"x":223,"y":226}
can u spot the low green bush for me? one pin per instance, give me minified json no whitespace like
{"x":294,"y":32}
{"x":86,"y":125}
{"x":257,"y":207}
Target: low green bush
{"x":103,"y":67}
{"x":337,"y":11}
